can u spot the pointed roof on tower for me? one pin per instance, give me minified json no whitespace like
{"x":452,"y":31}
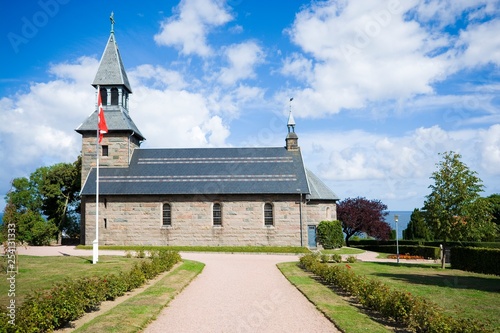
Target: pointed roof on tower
{"x":111,"y":70}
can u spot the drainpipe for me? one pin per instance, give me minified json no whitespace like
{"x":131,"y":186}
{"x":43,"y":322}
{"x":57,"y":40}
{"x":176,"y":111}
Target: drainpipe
{"x":128,"y":149}
{"x":300,"y":219}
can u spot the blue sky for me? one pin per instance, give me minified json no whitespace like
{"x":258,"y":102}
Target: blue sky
{"x":380,"y":88}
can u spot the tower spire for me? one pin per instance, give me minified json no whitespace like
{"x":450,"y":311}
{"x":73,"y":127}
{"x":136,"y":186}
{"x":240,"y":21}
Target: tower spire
{"x":292,"y":140}
{"x":291,"y":121}
{"x":112,"y":19}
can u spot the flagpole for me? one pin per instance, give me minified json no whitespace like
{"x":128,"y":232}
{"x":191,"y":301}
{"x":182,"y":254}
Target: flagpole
{"x":95,"y":244}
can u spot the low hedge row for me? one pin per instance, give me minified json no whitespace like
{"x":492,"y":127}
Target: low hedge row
{"x":358,"y":242}
{"x":473,"y":259}
{"x":417,"y":313}
{"x":45,"y":311}
{"x":422,"y":251}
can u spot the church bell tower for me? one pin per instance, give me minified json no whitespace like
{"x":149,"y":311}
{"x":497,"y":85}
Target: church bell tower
{"x":117,"y":146}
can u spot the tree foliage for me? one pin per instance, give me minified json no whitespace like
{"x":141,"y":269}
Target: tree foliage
{"x":330,"y":234}
{"x":494,"y":200}
{"x":417,"y":228}
{"x":45,"y":205}
{"x":455,"y":210}
{"x":360,"y":215}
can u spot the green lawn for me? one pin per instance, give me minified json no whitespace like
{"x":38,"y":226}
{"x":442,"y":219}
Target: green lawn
{"x":460,"y":293}
{"x":343,"y":250}
{"x":43,"y":272}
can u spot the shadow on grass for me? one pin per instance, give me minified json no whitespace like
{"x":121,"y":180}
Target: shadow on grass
{"x":443,"y":278}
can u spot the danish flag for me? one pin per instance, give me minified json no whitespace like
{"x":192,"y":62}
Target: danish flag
{"x":101,"y":121}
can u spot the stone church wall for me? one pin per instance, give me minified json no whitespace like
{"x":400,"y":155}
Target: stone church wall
{"x":132,"y":220}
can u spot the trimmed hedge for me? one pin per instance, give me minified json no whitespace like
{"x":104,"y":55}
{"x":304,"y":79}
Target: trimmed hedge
{"x":473,"y":259}
{"x":46,"y":311}
{"x":422,"y":251}
{"x":357,"y":243}
{"x":417,"y":313}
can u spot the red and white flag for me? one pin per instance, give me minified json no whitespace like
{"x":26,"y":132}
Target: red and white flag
{"x":101,"y":121}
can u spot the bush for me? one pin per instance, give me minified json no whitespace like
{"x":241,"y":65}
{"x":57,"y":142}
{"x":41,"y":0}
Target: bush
{"x":473,"y":259}
{"x":336,"y":257}
{"x":46,"y":311}
{"x":330,"y":234}
{"x":417,"y":313}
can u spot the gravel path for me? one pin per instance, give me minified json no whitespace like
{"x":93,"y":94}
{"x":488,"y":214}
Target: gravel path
{"x":240,"y":293}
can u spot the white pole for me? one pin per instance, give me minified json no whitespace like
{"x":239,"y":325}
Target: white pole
{"x":95,"y":243}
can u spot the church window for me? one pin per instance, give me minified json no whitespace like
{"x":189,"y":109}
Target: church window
{"x":114,"y":96}
{"x":217,"y":214}
{"x":268,"y":215}
{"x":104,"y":96}
{"x":105,"y":150}
{"x":167,"y":215}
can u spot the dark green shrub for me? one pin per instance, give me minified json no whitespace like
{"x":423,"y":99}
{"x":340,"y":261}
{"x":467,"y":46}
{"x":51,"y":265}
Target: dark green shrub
{"x":336,"y":258}
{"x":324,"y":258}
{"x":474,"y":259}
{"x":330,"y":234}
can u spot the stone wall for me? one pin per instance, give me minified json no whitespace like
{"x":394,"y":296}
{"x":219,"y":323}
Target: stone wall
{"x":138,"y":220}
{"x":119,"y":151}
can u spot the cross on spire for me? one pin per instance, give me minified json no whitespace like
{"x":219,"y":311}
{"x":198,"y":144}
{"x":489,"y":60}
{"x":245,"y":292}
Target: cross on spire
{"x":112,"y":19}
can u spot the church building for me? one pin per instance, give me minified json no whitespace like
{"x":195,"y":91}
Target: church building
{"x":257,"y":196}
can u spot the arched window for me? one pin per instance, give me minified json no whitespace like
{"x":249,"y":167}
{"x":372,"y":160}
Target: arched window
{"x":217,"y":214}
{"x":328,"y":214}
{"x":167,"y":215}
{"x":114,"y":96}
{"x":268,"y":215}
{"x":104,"y":96}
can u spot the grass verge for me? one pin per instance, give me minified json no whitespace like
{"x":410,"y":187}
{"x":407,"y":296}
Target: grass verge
{"x":40,"y":273}
{"x":460,"y":293}
{"x":228,"y":249}
{"x":135,"y":313}
{"x":345,"y":316}
{"x":343,"y":250}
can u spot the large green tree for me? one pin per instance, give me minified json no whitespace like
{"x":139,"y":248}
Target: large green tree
{"x":417,"y":228}
{"x":494,"y":200}
{"x":45,"y":205}
{"x":454,"y":209}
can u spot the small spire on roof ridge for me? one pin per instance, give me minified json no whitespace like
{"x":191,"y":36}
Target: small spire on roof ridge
{"x":291,"y":121}
{"x":112,"y":19}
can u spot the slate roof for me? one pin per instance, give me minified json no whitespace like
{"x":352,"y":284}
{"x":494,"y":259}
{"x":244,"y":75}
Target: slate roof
{"x":318,"y":189}
{"x":111,"y":70}
{"x":117,"y":119}
{"x":209,"y":171}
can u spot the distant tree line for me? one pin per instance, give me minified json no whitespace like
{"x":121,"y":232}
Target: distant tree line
{"x":45,"y":206}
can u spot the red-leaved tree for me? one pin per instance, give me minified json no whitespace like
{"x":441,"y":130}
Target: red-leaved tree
{"x":360,"y":215}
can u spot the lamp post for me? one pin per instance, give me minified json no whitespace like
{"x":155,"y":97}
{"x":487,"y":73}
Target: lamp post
{"x":396,"y":218}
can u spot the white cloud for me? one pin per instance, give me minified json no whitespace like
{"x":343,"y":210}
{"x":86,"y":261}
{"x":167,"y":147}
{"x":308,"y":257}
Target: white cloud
{"x":396,"y":169}
{"x":490,"y":149}
{"x":188,"y":29}
{"x":481,"y":43}
{"x":361,"y":52}
{"x":242,"y":59}
{"x":445,"y":12}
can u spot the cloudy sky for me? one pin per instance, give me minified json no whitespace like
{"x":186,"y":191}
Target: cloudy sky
{"x":380,"y":87}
